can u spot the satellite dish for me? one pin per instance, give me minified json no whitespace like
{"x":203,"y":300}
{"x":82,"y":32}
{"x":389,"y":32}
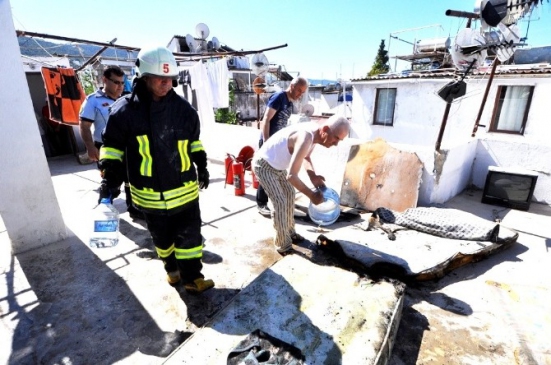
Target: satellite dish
{"x":191,"y":43}
{"x":202,"y":31}
{"x":259,"y":64}
{"x":215,"y":43}
{"x":308,"y":110}
{"x":468,"y":39}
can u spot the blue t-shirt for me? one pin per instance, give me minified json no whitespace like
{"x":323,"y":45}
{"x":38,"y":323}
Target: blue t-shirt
{"x":280,"y":102}
{"x":96,"y":108}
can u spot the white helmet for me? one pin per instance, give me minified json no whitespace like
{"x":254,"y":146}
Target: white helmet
{"x":157,"y":61}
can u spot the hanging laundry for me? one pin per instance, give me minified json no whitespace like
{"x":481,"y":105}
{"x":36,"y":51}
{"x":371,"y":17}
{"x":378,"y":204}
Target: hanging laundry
{"x":65,"y":94}
{"x":201,"y":85}
{"x":219,"y":80}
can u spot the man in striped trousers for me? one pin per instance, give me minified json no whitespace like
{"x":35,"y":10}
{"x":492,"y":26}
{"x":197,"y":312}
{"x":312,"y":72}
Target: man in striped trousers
{"x":277,"y":164}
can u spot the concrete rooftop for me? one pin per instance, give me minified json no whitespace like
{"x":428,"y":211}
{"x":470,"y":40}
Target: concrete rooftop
{"x":67,"y":303}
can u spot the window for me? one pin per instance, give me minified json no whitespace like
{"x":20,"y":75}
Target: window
{"x":384,"y":107}
{"x":511,"y":109}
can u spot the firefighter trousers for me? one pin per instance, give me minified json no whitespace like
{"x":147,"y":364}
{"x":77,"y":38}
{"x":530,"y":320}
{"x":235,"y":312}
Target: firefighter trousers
{"x":178,"y":241}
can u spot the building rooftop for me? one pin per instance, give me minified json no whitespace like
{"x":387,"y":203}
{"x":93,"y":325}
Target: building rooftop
{"x":71,"y":303}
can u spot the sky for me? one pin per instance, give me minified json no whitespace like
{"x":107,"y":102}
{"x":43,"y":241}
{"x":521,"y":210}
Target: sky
{"x":325,"y":39}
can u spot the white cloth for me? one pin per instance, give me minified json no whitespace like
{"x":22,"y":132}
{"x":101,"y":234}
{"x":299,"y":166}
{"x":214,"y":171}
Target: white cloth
{"x":200,"y":83}
{"x":219,"y":78}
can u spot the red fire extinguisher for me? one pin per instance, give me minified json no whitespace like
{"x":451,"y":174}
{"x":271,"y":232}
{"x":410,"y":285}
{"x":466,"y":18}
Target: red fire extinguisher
{"x":238,"y":178}
{"x":255,"y":180}
{"x":228,"y":165}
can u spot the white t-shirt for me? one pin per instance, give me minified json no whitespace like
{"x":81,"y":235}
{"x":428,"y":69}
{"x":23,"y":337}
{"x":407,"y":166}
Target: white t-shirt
{"x":275,"y":150}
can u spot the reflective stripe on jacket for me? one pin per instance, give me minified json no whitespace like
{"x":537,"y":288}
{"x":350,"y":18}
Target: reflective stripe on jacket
{"x":160,"y":143}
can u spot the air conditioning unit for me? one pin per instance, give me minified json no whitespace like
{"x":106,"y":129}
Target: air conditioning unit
{"x":232,"y":62}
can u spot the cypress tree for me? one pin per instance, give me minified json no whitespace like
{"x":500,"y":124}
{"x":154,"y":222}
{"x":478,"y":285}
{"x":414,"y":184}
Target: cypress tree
{"x":380,"y":66}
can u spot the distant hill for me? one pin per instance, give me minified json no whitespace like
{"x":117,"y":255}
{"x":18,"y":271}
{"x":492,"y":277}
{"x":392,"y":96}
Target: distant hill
{"x":321,"y":81}
{"x":37,"y":47}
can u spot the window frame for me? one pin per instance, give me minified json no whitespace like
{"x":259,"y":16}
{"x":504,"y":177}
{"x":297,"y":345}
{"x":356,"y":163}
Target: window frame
{"x":498,"y":104}
{"x":376,"y":108}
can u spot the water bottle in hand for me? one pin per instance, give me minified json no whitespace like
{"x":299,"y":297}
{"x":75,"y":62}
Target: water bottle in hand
{"x":105,"y":221}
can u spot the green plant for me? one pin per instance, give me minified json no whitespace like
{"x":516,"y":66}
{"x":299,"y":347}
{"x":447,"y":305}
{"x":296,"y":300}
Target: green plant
{"x":227,"y":115}
{"x":86,"y":78}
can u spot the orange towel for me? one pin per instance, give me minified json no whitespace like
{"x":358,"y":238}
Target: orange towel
{"x":65,"y":94}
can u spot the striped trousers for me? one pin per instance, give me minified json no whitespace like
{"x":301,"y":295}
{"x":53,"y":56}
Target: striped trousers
{"x":282,"y":195}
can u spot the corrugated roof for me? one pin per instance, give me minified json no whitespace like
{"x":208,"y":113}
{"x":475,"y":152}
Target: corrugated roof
{"x":543,"y":70}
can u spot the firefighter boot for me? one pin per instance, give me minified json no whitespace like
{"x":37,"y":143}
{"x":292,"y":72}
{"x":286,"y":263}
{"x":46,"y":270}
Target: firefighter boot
{"x":199,"y":285}
{"x":173,"y":278}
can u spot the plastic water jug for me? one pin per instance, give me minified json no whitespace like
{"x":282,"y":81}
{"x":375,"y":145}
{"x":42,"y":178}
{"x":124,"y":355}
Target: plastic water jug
{"x":105,"y":225}
{"x":328,"y":212}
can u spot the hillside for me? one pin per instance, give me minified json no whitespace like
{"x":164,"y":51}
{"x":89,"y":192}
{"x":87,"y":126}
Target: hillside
{"x":37,"y":47}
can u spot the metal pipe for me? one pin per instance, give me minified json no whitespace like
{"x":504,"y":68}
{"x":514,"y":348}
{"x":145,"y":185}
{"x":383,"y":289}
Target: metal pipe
{"x":483,"y":102}
{"x":196,"y":56}
{"x":443,"y":126}
{"x":447,"y":112}
{"x":462,"y":14}
{"x":21,"y":33}
{"x":93,"y":58}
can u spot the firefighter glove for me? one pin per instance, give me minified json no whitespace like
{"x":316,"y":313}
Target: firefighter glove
{"x":203,"y":178}
{"x":106,"y":192}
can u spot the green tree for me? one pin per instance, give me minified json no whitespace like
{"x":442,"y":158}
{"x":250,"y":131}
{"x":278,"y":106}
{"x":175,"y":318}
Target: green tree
{"x":380,"y":66}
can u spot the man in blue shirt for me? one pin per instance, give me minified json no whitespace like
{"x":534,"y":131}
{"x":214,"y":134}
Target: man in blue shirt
{"x":94,"y":112}
{"x":276,"y":117}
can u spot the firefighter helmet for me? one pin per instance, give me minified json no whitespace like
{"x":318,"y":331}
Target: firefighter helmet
{"x":158,"y":61}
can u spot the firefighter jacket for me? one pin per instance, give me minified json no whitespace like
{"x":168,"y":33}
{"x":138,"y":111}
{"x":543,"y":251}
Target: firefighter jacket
{"x":160,"y":142}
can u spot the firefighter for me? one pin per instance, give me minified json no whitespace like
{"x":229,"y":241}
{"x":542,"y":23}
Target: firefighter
{"x":157,"y":131}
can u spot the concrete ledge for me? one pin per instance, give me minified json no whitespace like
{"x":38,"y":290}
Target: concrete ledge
{"x":330,"y":314}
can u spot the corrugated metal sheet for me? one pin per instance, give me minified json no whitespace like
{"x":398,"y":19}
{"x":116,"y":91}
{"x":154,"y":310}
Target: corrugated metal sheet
{"x":540,"y":70}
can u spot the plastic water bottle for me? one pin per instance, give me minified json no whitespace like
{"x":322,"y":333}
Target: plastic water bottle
{"x":327,"y":212}
{"x":105,"y":232}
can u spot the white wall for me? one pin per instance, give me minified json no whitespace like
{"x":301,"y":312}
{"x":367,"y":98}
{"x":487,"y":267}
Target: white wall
{"x":418,"y":116}
{"x":28,"y":204}
{"x":531,"y":156}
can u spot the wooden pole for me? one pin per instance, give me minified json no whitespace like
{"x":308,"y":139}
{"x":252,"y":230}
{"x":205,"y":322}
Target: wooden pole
{"x":258,"y":111}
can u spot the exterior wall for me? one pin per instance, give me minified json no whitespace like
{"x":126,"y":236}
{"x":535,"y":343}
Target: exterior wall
{"x":417,"y":119}
{"x":323,"y":103}
{"x":28,"y":204}
{"x":531,"y":156}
